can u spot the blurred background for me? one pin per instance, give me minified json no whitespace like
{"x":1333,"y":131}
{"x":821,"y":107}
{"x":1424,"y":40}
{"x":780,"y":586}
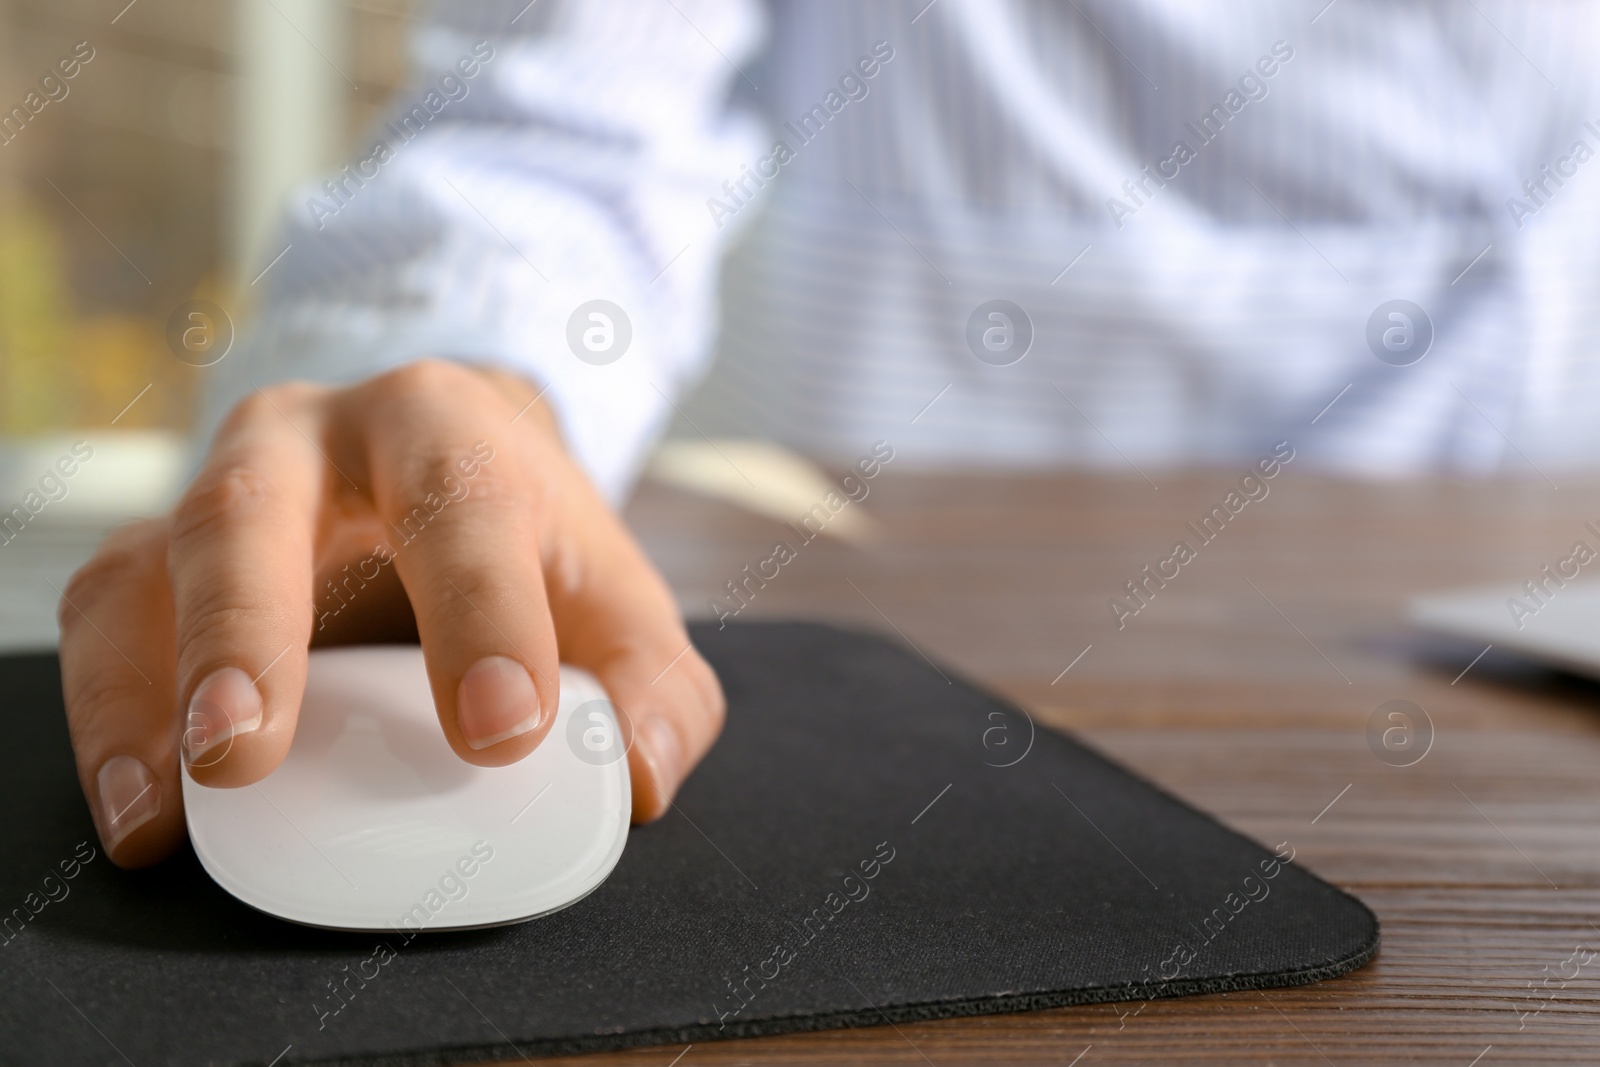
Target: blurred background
{"x":137,"y":199}
{"x":154,"y":179}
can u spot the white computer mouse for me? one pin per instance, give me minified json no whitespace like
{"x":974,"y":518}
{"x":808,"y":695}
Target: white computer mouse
{"x":372,"y":822}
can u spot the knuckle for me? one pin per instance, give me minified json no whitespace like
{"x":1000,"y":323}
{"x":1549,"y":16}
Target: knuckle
{"x":211,"y":616}
{"x":270,"y":401}
{"x":100,"y":697}
{"x":90,"y":582}
{"x":470,"y":591}
{"x":421,"y":377}
{"x":219,"y":498}
{"x":439,"y":484}
{"x":123,"y":559}
{"x":216,"y":618}
{"x":502,"y":485}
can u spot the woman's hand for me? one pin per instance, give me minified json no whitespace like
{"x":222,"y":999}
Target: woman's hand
{"x":432,"y":502}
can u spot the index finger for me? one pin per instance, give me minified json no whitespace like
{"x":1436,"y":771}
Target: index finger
{"x":240,"y":563}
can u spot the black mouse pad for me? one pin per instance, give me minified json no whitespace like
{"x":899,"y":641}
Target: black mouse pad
{"x":869,"y":841}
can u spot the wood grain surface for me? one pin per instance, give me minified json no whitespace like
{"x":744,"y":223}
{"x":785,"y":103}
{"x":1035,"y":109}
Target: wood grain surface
{"x":1246,"y":687}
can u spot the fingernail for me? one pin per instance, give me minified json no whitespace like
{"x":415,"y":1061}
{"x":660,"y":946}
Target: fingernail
{"x":224,"y":706}
{"x":129,"y":797}
{"x":663,"y":750}
{"x":496,"y":702}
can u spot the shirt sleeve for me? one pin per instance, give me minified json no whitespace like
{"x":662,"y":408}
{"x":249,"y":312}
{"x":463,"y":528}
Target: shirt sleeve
{"x":540,"y":161}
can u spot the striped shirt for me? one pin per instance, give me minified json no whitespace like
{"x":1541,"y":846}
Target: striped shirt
{"x":1202,"y":219}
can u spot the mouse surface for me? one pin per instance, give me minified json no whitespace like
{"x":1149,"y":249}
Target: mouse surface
{"x":372,"y":822}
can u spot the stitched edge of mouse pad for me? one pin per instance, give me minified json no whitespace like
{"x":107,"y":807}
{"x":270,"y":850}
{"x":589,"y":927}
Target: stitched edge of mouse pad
{"x":765,"y":667}
{"x":487,"y":1055}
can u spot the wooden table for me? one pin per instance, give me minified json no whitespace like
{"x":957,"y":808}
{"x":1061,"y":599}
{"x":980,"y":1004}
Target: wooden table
{"x":1246,"y":688}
